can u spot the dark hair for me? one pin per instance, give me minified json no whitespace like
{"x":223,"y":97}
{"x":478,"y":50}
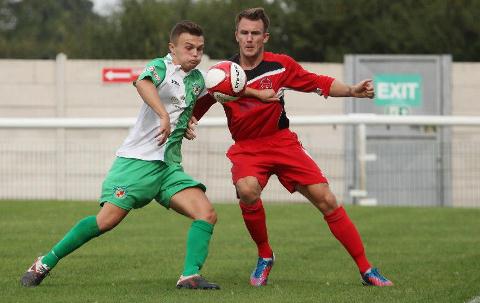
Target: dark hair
{"x":185,"y":26}
{"x":254,"y":14}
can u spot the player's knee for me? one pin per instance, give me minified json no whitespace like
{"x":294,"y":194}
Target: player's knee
{"x":248,"y":190}
{"x":326,"y":202}
{"x":329,"y":201}
{"x":106,"y":224}
{"x":208,"y":215}
{"x":248,"y":194}
{"x":211,"y":217}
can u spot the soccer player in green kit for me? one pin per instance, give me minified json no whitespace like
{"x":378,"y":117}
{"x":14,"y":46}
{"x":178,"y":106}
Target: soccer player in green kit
{"x":148,"y":165}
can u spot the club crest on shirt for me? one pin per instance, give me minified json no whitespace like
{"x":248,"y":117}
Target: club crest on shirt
{"x":120,"y":192}
{"x":196,"y":89}
{"x":266,"y":83}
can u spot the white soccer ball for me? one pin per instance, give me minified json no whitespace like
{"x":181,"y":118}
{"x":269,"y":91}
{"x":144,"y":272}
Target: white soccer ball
{"x":226,"y":81}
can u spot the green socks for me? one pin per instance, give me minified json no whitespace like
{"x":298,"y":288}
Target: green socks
{"x":80,"y":234}
{"x":197,"y":246}
{"x":197,"y":243}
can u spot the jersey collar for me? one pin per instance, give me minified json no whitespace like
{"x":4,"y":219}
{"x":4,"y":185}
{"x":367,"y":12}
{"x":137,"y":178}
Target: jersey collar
{"x":177,"y":68}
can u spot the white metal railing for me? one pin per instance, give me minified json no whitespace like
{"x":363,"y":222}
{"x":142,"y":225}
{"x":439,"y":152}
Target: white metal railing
{"x":350,"y":119}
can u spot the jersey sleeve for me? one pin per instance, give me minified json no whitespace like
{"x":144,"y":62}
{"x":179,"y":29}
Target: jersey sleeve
{"x":302,"y":80}
{"x":202,"y":105}
{"x":155,"y":71}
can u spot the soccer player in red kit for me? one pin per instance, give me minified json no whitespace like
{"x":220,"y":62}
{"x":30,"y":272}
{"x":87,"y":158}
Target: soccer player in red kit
{"x":264,"y":144}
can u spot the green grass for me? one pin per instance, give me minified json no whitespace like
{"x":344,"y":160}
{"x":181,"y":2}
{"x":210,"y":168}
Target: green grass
{"x":431,"y":254}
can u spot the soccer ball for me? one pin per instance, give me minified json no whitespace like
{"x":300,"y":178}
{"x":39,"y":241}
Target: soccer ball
{"x":226,"y":81}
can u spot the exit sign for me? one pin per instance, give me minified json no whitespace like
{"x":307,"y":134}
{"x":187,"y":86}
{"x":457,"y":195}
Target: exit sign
{"x":398,"y":90}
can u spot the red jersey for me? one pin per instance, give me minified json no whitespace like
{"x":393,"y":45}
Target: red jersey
{"x":249,"y":118}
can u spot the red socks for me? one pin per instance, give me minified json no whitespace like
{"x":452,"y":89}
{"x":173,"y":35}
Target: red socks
{"x":254,"y":218}
{"x":344,"y":230}
{"x":338,"y":222}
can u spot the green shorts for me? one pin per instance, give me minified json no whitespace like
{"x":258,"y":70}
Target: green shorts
{"x":133,"y":183}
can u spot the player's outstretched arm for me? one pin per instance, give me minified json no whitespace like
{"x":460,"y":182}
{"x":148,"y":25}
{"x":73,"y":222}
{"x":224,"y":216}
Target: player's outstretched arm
{"x":202,"y":105}
{"x":363,"y":89}
{"x":147,"y":90}
{"x":264,"y":95}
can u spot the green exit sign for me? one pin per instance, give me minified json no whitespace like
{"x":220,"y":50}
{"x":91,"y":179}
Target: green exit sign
{"x":398,"y":90}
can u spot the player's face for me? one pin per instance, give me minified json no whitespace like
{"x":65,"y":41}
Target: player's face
{"x":187,"y":51}
{"x":251,"y":37}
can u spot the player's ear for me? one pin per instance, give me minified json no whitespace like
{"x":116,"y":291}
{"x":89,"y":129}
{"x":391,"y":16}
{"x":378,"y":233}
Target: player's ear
{"x":266,"y":36}
{"x":236,"y":36}
{"x":171,"y":48}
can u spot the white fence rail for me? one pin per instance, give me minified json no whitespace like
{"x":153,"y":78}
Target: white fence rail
{"x":350,"y":119}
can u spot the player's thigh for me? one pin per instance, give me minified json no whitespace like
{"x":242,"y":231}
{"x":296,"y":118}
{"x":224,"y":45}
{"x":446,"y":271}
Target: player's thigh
{"x":174,"y":181}
{"x":193,"y":203}
{"x":296,"y":167}
{"x":320,"y":196}
{"x":250,"y":161}
{"x":132,"y":183}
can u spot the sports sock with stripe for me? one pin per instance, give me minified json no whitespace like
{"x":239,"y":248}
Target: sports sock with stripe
{"x":80,"y":234}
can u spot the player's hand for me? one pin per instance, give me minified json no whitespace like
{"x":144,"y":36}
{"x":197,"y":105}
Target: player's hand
{"x":363,"y":89}
{"x":267,"y":95}
{"x":264,"y":95}
{"x":163,"y":131}
{"x":190,"y":132}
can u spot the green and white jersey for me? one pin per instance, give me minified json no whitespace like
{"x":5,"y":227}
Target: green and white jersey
{"x":178,"y":92}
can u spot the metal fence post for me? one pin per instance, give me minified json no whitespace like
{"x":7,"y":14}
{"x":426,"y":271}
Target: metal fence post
{"x":60,"y":184}
{"x":361,"y":153}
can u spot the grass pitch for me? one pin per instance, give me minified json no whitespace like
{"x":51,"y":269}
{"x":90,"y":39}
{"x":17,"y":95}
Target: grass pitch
{"x":431,"y":254}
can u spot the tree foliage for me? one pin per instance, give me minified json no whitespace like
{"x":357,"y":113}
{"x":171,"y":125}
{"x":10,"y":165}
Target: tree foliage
{"x":309,"y":30}
{"x":41,"y":29}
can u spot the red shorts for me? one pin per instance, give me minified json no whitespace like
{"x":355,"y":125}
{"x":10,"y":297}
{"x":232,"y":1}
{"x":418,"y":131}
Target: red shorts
{"x":280,"y":154}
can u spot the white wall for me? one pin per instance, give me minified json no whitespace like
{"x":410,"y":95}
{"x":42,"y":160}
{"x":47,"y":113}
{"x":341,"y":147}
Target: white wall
{"x":31,"y":88}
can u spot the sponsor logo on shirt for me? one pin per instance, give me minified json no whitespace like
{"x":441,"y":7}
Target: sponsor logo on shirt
{"x":175,"y":100}
{"x":154,"y":73}
{"x":175,"y":82}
